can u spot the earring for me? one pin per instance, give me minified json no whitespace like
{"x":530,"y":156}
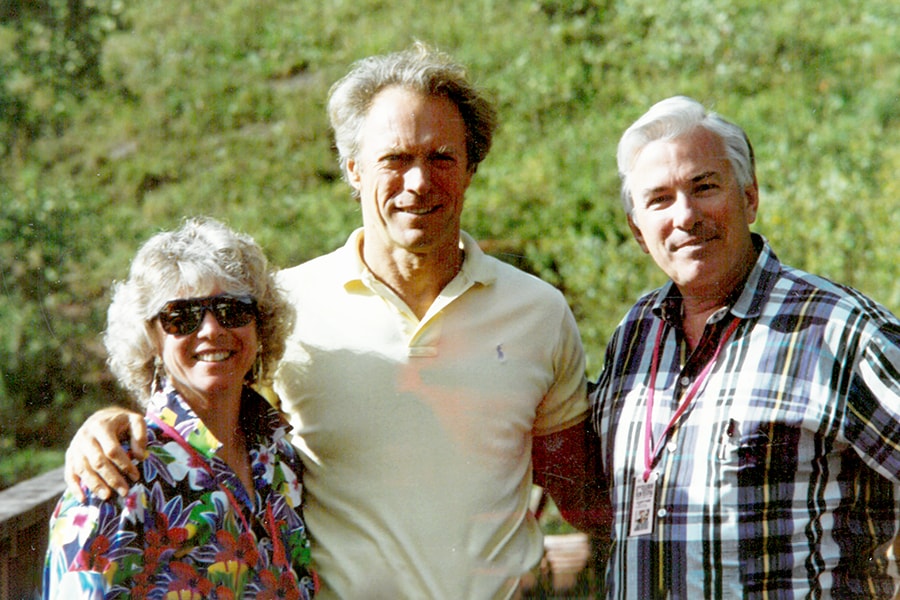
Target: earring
{"x":256,"y":373}
{"x":258,"y":370}
{"x":158,"y":370}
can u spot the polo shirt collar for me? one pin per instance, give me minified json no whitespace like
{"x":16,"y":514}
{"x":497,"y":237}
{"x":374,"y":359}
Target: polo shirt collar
{"x":477,"y":267}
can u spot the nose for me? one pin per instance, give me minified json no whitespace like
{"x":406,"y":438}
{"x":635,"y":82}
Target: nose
{"x":685,"y":211}
{"x":209,"y":326}
{"x":416,"y":179}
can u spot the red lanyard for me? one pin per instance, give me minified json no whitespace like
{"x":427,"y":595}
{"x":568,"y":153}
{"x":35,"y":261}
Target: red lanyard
{"x":650,"y":450}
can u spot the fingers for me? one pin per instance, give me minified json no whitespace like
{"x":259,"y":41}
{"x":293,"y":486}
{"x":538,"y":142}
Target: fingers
{"x":138,"y":428}
{"x":101,"y":479}
{"x":96,"y":459}
{"x":109,"y":461}
{"x":73,"y":481}
{"x":80,"y":475}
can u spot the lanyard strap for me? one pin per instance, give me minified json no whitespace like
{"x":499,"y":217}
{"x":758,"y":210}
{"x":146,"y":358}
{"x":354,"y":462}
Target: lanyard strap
{"x":651,"y":450}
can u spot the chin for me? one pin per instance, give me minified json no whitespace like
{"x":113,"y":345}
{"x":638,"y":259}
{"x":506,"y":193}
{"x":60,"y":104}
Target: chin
{"x":691,"y":277}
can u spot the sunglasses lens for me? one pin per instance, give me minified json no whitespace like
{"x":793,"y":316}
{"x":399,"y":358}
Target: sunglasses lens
{"x":233,"y":312}
{"x":183,"y":317}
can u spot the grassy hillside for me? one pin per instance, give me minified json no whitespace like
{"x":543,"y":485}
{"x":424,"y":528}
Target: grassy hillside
{"x":126,"y":117}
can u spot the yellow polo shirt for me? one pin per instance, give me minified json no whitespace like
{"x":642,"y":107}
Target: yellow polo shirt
{"x":416,"y":434}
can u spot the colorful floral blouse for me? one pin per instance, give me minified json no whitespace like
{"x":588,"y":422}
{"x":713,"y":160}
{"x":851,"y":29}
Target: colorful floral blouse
{"x":188,"y":529}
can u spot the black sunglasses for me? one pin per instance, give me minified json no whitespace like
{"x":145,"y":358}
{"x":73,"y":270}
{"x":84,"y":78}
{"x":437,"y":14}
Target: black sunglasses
{"x":182,"y":317}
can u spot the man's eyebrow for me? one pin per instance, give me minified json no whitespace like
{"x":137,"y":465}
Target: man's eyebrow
{"x":646,"y":193}
{"x":445,"y":149}
{"x":704,"y":175}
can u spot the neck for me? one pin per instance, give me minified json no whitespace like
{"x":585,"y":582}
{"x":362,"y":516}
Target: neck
{"x":697,"y":306}
{"x":221,"y":415}
{"x":220,"y":412}
{"x":698,"y":303}
{"x":417,"y":278}
{"x":694,"y":317}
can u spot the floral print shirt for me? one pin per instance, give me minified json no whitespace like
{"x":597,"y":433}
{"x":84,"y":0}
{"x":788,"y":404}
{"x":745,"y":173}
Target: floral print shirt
{"x":188,"y":529}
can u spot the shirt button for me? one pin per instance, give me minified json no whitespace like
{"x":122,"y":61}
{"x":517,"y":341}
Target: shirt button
{"x":685,"y":381}
{"x":671,"y":446}
{"x":661,"y":513}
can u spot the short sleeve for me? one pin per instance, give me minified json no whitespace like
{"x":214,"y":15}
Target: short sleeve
{"x":565,"y":403}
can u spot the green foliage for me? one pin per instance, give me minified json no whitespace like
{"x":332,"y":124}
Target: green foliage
{"x":52,"y":309}
{"x":25,"y":464}
{"x":138,"y":114}
{"x":49,"y":54}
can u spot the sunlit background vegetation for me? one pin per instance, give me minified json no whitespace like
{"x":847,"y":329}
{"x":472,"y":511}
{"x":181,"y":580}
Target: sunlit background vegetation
{"x":118,"y":119}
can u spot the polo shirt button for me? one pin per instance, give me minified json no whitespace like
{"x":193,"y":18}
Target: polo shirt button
{"x":661,"y":513}
{"x":671,"y":446}
{"x":685,"y":381}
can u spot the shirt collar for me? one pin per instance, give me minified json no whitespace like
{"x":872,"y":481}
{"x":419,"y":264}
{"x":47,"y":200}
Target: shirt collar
{"x":261,"y":422}
{"x":747,"y":301}
{"x":477,"y":266}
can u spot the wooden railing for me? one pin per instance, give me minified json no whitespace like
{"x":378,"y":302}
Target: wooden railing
{"x":24,"y":515}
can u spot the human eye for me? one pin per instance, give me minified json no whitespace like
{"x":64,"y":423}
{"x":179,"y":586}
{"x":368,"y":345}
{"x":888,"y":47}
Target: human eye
{"x":658,"y":200}
{"x":705,"y":185}
{"x":443,"y":159}
{"x":392,"y":159}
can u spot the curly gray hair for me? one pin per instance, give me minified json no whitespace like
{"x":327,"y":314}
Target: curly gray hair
{"x":421,"y":69}
{"x":203,"y":253}
{"x":672,"y":118}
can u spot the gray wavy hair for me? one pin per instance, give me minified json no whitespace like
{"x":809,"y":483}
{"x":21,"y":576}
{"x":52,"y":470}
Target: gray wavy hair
{"x":203,"y":253}
{"x":672,"y":118}
{"x":420,"y":69}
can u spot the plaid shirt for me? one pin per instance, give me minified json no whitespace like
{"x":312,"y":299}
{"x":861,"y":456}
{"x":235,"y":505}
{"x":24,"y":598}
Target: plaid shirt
{"x":781,"y":478}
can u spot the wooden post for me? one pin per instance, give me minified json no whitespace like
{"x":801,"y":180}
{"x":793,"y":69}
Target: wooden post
{"x":25,"y":510}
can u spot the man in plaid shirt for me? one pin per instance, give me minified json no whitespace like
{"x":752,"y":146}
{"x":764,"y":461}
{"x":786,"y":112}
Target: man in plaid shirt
{"x":748,"y":412}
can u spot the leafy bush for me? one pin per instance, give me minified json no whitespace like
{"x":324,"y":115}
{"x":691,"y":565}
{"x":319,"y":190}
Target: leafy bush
{"x":49,"y":55}
{"x":52,"y":310}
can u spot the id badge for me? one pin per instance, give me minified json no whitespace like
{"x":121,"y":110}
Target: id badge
{"x":643,"y":502}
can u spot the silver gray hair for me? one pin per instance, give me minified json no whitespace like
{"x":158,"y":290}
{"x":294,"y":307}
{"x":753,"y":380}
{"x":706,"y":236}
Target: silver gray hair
{"x":672,"y":118}
{"x":188,"y":262}
{"x":420,"y":69}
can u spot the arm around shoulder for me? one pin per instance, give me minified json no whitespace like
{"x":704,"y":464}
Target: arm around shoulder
{"x":95,"y":457}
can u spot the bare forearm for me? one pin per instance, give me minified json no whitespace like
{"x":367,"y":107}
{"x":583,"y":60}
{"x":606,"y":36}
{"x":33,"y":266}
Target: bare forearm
{"x":565,"y":465}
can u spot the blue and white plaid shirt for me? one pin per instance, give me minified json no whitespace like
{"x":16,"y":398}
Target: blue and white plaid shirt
{"x":781,"y":479}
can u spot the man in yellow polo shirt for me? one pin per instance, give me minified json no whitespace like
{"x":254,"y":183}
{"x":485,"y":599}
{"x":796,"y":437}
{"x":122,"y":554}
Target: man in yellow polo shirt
{"x":428,"y":384}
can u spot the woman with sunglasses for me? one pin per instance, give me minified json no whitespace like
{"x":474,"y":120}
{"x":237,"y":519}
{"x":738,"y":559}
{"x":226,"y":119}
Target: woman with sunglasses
{"x":216,"y":512}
